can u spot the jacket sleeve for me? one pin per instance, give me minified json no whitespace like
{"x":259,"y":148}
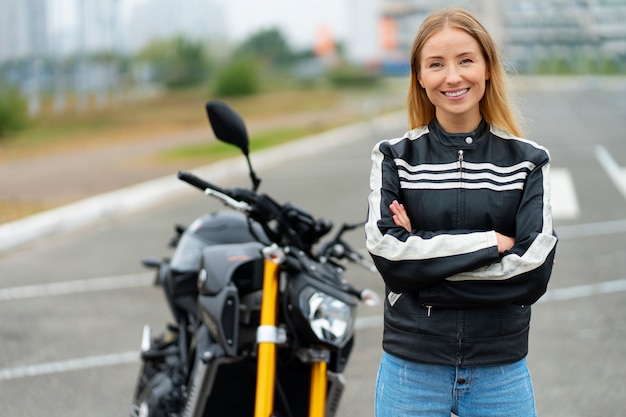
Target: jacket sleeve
{"x":522,"y":274}
{"x":416,"y":260}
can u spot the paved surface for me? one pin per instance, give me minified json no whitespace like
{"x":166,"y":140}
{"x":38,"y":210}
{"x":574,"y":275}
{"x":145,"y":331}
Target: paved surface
{"x":73,"y":305}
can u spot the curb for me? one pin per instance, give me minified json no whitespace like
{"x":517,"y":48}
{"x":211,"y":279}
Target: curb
{"x":148,"y":194}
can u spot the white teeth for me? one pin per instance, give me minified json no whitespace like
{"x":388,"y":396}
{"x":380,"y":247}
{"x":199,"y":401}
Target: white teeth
{"x":456,"y":93}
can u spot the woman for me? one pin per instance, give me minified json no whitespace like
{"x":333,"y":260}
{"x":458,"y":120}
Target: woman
{"x":460,"y":228}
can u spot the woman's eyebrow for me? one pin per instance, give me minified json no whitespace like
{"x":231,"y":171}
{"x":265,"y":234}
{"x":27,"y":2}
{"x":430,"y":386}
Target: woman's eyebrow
{"x":457,"y":56}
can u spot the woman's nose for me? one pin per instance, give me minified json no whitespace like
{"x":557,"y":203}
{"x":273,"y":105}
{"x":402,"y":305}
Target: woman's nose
{"x":453,"y":75}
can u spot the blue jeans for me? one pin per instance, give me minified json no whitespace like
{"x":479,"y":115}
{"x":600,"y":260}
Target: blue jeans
{"x":409,"y":389}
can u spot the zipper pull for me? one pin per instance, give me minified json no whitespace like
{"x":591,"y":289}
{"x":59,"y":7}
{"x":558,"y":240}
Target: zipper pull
{"x":428,"y":308}
{"x":460,"y":164}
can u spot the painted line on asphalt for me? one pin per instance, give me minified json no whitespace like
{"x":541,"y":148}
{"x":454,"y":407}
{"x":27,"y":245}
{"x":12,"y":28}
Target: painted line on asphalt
{"x":583,"y":291}
{"x":574,"y":231}
{"x":577,"y":231}
{"x":564,"y":200}
{"x":69,"y":365}
{"x":612,"y":169}
{"x":362,"y":323}
{"x":79,"y":286}
{"x":116,"y":358}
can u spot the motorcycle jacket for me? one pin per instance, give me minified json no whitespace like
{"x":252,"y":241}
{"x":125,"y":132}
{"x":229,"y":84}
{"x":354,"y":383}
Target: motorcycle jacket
{"x":451,"y":298}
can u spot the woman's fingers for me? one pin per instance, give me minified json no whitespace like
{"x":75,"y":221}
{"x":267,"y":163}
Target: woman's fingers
{"x":400,"y":217}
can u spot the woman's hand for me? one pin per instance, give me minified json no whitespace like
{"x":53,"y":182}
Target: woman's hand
{"x":400,"y":218}
{"x":504,"y":242}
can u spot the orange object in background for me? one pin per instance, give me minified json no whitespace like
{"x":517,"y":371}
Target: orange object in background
{"x":325,"y":45}
{"x":388,"y":33}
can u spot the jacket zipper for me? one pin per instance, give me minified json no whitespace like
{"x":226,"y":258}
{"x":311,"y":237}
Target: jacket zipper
{"x":459,"y":213}
{"x":460,"y":195}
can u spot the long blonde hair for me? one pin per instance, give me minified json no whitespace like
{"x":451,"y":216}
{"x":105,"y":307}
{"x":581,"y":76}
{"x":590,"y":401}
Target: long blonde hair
{"x":494,"y":106}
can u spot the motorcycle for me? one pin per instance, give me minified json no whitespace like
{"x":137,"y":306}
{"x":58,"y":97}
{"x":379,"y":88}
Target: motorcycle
{"x":263,"y":318}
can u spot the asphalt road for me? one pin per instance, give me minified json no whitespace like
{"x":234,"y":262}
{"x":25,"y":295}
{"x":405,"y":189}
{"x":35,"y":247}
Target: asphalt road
{"x":73,"y":305}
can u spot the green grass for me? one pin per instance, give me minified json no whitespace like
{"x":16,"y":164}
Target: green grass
{"x":207,"y":152}
{"x":167,"y":112}
{"x":213,"y":151}
{"x":139,"y":118}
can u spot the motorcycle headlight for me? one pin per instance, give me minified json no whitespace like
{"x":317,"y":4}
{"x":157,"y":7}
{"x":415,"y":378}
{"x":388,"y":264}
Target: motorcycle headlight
{"x":330,"y":319}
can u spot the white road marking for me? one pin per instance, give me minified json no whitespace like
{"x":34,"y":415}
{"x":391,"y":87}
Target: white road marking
{"x":69,"y":365}
{"x":582,"y":291}
{"x":575,"y":231}
{"x":612,"y":169}
{"x":362,"y":323}
{"x":564,"y":200}
{"x":79,"y":286}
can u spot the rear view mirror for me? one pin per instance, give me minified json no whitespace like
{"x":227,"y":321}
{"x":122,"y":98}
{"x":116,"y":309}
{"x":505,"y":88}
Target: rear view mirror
{"x":227,"y":125}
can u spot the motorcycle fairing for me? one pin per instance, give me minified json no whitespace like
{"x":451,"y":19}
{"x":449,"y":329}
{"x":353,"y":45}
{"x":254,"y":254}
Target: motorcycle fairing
{"x":241,"y":264}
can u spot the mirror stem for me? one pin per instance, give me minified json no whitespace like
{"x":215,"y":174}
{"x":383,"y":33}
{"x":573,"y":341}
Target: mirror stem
{"x":256,"y":181}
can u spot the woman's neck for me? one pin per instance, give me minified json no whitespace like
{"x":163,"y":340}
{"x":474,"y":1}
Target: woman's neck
{"x":459,"y":123}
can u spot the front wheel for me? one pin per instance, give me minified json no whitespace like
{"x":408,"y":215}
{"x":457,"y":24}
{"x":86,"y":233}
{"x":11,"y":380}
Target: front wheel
{"x":158,"y":398}
{"x":160,"y":381}
{"x":146,"y":374}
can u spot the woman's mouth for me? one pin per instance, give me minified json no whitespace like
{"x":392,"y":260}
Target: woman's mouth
{"x":456,"y":93}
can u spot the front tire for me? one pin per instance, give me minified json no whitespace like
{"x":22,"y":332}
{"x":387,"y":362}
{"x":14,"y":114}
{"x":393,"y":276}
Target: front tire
{"x":158,"y":391}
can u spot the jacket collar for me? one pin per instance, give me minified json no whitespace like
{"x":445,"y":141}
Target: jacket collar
{"x":466,"y":140}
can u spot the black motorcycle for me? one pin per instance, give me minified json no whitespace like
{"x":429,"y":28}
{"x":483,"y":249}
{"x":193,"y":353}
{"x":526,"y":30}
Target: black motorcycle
{"x":263,"y":319}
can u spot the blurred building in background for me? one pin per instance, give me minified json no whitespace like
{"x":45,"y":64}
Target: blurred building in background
{"x":195,"y":19}
{"x":23,"y":28}
{"x":530,"y":32}
{"x":72,"y":45}
{"x":24,"y":36}
{"x":536,"y":36}
{"x":565,"y":35}
{"x":46,"y":27}
{"x":77,"y":45}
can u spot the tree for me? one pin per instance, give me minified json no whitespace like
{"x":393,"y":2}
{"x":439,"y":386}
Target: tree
{"x":238,"y":77}
{"x":270,"y":46}
{"x":177,"y":62}
{"x":13,"y":109}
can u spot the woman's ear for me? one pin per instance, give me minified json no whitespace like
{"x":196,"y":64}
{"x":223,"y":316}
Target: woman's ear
{"x":419,"y":80}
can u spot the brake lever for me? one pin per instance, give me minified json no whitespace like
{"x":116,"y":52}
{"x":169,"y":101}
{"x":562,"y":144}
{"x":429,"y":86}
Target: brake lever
{"x":358,"y":259}
{"x":236,"y":204}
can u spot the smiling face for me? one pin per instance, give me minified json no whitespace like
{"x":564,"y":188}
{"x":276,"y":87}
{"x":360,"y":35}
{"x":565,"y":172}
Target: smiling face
{"x":453,"y":72}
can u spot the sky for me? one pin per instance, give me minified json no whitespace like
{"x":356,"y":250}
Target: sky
{"x":353,"y":22}
{"x":300,"y":21}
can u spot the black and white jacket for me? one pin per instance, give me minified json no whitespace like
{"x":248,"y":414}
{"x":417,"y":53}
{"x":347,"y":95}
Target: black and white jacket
{"x":451,"y":298}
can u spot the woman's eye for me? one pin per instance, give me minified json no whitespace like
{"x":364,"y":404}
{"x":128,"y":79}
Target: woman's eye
{"x":435,"y":65}
{"x":466,"y":61}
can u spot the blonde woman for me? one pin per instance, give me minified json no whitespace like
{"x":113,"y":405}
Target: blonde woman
{"x":460,"y":228}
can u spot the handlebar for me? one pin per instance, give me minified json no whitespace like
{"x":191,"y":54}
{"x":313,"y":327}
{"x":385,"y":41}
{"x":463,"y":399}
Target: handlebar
{"x":227,"y":197}
{"x":282,"y":223}
{"x":198,"y":182}
{"x":296,"y":225}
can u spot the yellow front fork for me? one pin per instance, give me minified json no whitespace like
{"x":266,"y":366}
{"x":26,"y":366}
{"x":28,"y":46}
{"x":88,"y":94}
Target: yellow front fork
{"x":317,"y":405}
{"x":267,"y":335}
